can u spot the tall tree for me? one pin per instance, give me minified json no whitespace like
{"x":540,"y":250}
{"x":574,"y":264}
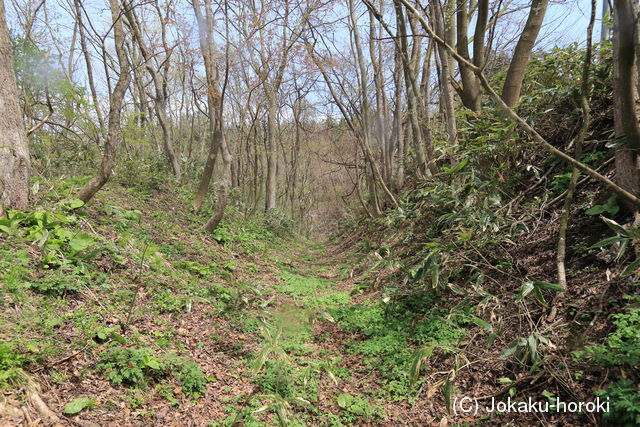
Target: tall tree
{"x":518,"y":65}
{"x":625,"y":94}
{"x":470,"y":89}
{"x":207,"y":48}
{"x":159,"y":78}
{"x":116,"y":101}
{"x":14,"y":151}
{"x":205,"y":20}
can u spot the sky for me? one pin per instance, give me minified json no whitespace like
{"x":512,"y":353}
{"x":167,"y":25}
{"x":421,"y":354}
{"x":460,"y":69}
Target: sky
{"x":565,"y":22}
{"x":568,"y":20}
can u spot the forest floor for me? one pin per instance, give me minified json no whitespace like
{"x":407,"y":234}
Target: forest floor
{"x":112,"y":338}
{"x":129,"y":314}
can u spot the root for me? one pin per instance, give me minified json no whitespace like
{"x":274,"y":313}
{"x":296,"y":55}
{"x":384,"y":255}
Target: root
{"x":39,"y":405}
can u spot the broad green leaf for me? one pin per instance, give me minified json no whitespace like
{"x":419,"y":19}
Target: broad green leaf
{"x":75,"y":203}
{"x":548,"y":286}
{"x":596,"y":210}
{"x":344,"y":399}
{"x":526,"y":289}
{"x":152,"y":362}
{"x":80,"y":242}
{"x":77,"y":405}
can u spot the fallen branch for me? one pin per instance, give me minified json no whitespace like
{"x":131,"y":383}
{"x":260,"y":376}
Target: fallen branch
{"x":64,"y":359}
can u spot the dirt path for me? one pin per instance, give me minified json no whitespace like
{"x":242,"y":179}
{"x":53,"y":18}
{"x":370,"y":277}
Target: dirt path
{"x":282,"y":337}
{"x":315,"y":365}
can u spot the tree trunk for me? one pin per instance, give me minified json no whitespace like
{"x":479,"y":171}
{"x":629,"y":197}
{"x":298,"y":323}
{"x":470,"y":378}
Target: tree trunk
{"x":14,"y":149}
{"x":272,"y":150}
{"x":87,"y":60}
{"x":470,"y":92}
{"x":625,"y":95}
{"x":116,"y":102}
{"x":205,"y":29}
{"x":398,"y":134}
{"x":446,"y":91}
{"x":215,"y":99}
{"x":518,"y":65}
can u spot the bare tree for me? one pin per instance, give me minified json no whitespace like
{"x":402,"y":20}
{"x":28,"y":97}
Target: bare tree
{"x":518,"y":120}
{"x":159,"y":78}
{"x":116,"y":101}
{"x":215,"y":101}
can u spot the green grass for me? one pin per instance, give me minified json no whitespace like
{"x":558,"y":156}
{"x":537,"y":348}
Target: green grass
{"x":332,"y":299}
{"x":299,"y":286}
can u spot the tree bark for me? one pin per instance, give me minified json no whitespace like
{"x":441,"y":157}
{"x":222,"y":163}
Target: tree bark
{"x":205,"y":29}
{"x":625,"y":95}
{"x":116,"y":101}
{"x":14,"y":149}
{"x":518,"y":66}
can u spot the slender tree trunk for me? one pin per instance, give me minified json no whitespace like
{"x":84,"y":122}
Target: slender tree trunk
{"x":87,"y":60}
{"x":215,"y":100}
{"x":520,"y":60}
{"x":397,"y":124}
{"x":272,"y":150}
{"x":160,"y":100}
{"x":446,"y":91}
{"x":410,"y":85}
{"x":376,"y":176}
{"x":582,"y":133}
{"x":14,"y":149}
{"x":116,"y":103}
{"x":205,"y":29}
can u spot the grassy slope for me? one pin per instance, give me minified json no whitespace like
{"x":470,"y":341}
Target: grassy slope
{"x":194,"y":300}
{"x":257,"y":329}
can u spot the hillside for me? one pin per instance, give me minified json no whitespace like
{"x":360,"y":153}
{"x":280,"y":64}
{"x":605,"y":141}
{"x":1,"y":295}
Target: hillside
{"x":332,"y":213}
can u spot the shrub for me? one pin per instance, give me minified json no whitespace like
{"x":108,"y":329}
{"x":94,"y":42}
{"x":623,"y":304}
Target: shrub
{"x":11,"y":363}
{"x":61,"y":282}
{"x":130,"y":366}
{"x":137,"y":366}
{"x":624,"y":401}
{"x":192,"y":380}
{"x":622,"y":346}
